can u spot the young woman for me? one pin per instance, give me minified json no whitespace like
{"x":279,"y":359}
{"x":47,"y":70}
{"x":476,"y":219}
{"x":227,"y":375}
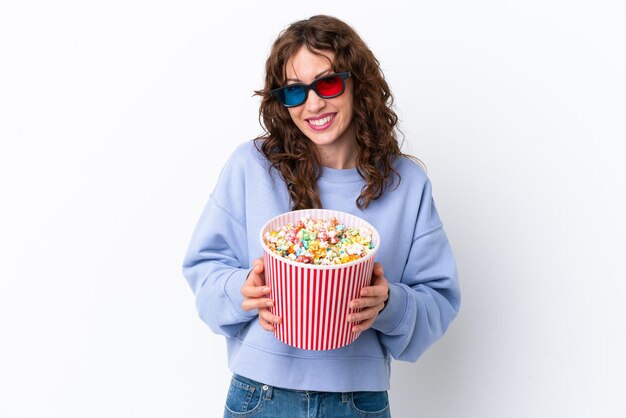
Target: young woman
{"x":330,"y":142}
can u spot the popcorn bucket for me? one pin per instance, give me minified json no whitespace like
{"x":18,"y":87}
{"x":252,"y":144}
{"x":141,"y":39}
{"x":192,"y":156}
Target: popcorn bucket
{"x":313,"y":300}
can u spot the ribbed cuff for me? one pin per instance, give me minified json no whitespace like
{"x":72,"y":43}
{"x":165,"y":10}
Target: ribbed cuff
{"x":232,"y":289}
{"x":392,"y":315}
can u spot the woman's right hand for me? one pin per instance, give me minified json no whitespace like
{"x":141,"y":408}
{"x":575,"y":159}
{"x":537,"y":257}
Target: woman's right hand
{"x":255,"y":293}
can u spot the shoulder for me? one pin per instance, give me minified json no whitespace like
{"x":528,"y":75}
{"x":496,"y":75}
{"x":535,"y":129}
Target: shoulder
{"x":247,"y":165}
{"x":411,"y":173}
{"x":244,"y":162}
{"x":246,"y":154}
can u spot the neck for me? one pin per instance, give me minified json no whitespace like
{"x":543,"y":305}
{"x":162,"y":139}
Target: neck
{"x":341,"y":162}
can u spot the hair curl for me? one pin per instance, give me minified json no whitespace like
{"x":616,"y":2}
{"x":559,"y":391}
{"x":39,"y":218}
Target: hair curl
{"x":289,"y":150}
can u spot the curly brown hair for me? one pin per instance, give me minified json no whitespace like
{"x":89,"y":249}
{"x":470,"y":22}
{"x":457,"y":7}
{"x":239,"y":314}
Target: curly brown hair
{"x":289,"y":150}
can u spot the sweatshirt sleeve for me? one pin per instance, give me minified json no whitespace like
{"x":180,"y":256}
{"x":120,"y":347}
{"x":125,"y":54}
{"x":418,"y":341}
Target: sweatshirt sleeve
{"x":427,"y":298}
{"x":216,"y":262}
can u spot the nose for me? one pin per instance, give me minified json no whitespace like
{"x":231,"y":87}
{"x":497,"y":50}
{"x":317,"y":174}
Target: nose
{"x":314,"y":102}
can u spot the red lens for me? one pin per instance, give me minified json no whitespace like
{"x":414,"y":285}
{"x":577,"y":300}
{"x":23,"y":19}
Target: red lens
{"x":329,"y":86}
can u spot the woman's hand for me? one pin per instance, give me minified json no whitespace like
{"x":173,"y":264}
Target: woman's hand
{"x":255,"y":293}
{"x":372,"y":301}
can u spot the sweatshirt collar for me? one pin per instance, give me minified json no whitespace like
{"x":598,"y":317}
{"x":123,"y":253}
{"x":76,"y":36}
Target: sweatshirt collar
{"x":335,"y":175}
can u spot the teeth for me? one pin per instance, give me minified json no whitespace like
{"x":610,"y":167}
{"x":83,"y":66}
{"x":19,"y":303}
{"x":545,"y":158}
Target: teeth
{"x":320,"y":122}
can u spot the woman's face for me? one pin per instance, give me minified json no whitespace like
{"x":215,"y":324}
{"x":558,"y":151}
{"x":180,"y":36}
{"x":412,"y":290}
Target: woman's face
{"x":326,"y":122}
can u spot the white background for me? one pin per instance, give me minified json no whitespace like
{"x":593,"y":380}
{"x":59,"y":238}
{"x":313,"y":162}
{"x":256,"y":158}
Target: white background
{"x":116,"y":117}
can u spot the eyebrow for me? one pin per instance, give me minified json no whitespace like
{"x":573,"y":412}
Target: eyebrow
{"x":316,"y":77}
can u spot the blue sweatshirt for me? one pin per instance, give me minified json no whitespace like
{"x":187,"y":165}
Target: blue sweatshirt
{"x":424,"y":294}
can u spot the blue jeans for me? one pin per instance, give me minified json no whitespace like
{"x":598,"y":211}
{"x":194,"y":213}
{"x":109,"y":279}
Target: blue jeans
{"x":249,"y":398}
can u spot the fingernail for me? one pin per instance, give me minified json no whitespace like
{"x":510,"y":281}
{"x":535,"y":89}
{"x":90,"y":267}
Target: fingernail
{"x":266,"y":290}
{"x":268,"y":304}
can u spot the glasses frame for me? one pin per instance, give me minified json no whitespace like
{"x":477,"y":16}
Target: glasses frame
{"x":308,"y":87}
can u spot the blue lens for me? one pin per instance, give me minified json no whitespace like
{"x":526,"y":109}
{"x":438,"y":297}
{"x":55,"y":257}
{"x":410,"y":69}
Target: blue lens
{"x":294,"y":95}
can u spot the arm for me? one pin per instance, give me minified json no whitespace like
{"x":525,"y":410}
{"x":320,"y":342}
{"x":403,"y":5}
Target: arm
{"x":229,"y":291}
{"x":421,"y":306}
{"x":215,"y":267}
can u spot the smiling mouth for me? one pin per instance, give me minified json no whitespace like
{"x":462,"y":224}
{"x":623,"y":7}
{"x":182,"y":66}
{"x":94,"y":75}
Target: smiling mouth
{"x":322,"y":122}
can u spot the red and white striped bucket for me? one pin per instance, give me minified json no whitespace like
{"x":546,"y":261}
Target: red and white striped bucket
{"x":313,"y":300}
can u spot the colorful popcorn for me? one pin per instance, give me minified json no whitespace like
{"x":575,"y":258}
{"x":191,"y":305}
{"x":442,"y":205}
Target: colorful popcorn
{"x":320,"y":242}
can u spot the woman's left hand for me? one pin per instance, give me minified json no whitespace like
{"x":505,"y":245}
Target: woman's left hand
{"x":371,"y":302}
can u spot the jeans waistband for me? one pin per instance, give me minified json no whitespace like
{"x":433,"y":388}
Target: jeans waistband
{"x":251,"y":382}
